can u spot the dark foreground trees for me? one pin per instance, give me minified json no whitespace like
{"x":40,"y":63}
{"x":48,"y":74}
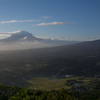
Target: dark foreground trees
{"x":18,"y":93}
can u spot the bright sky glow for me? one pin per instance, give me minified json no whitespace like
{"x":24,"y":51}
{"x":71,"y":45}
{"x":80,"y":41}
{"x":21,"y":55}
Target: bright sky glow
{"x":71,"y":19}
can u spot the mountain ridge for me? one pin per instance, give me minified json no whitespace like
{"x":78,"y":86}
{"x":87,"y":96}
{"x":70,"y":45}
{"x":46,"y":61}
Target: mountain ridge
{"x":24,"y":36}
{"x":21,"y":36}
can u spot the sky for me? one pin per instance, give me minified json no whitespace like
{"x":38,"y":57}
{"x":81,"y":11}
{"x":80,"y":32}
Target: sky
{"x":77,"y":20}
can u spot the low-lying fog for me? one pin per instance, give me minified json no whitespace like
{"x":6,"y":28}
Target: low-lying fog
{"x":18,"y":45}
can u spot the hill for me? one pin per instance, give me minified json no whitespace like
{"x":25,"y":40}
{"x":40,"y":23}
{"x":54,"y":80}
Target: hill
{"x":81,"y":58}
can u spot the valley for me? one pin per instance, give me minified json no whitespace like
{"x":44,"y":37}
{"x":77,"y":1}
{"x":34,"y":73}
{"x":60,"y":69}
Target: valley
{"x":31,"y":67}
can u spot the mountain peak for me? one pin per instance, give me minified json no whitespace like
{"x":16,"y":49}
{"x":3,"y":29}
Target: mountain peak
{"x":15,"y":32}
{"x":21,"y":32}
{"x":20,"y":35}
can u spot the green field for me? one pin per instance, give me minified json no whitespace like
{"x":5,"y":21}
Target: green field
{"x":51,"y":83}
{"x":44,"y":83}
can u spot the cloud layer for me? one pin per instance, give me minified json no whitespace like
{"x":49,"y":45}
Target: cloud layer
{"x":14,"y":21}
{"x":46,"y":17}
{"x":52,"y":23}
{"x":9,"y":33}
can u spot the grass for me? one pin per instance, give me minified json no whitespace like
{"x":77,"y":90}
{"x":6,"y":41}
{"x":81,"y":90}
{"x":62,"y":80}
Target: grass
{"x":46,"y":83}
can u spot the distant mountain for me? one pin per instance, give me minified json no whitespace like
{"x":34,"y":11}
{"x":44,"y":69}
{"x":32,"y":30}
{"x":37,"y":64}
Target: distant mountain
{"x":23,"y":36}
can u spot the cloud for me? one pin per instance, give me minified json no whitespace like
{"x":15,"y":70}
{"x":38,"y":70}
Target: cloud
{"x":24,"y":38}
{"x":45,"y":37}
{"x":46,"y":17}
{"x":52,"y":23}
{"x":58,"y":38}
{"x":4,"y":34}
{"x":15,"y":21}
{"x":14,"y":32}
{"x":8,"y":34}
{"x":63,"y":38}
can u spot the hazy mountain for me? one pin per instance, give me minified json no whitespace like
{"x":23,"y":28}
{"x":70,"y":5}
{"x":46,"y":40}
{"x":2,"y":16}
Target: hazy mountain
{"x":25,"y":40}
{"x":23,"y":36}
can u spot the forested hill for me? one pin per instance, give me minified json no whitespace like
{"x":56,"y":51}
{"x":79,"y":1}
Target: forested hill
{"x":70,"y":59}
{"x":79,"y":49}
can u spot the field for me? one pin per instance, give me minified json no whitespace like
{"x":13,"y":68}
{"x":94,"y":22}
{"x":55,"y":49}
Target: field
{"x":52,"y":83}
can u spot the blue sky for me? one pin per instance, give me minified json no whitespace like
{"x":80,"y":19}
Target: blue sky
{"x":68,"y":19}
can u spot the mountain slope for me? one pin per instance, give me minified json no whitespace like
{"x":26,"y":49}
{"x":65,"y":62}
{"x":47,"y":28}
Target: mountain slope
{"x":21,"y":36}
{"x":81,"y":58}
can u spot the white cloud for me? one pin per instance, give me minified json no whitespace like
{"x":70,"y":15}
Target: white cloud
{"x":58,"y":38}
{"x":14,"y":21}
{"x":14,"y":32}
{"x":52,"y":23}
{"x":24,"y":38}
{"x":4,"y":34}
{"x":46,"y":17}
{"x":8,"y":34}
{"x":38,"y":37}
{"x":63,"y":38}
{"x":45,"y":37}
